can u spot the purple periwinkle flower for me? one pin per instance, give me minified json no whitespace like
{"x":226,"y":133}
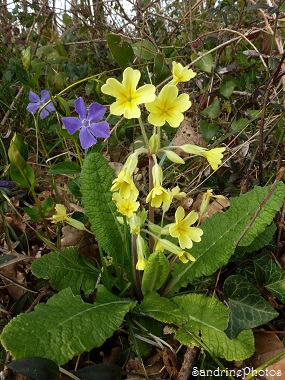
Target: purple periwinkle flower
{"x":37,"y":102}
{"x":7,"y":184}
{"x":88,"y":122}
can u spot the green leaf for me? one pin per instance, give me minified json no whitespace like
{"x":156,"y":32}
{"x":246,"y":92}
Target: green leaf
{"x":100,"y":371}
{"x":155,"y":273}
{"x":33,"y":213}
{"x":27,"y":180}
{"x":65,"y":326}
{"x":213,"y":110}
{"x":144,"y":49}
{"x":160,"y":70}
{"x":67,"y":167}
{"x":208,"y":130}
{"x":36,"y":368}
{"x":259,"y":242}
{"x":207,"y":320}
{"x":204,"y":64}
{"x":247,"y":308}
{"x":162,"y":309}
{"x":67,"y":269}
{"x":222,"y":230}
{"x":96,"y":180}
{"x":121,"y":50}
{"x":47,"y":205}
{"x":63,"y":105}
{"x":275,"y":280}
{"x":226,"y":88}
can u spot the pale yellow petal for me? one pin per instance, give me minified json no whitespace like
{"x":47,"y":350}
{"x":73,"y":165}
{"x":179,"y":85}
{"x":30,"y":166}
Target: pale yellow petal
{"x":146,"y":93}
{"x":131,"y":78}
{"x":113,"y":88}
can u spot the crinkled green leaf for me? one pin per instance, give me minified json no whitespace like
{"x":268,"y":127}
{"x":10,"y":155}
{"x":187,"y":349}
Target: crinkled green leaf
{"x":259,"y":242}
{"x":65,"y":326}
{"x":155,"y":273}
{"x":163,"y":309}
{"x":275,"y":280}
{"x":222,"y":230}
{"x":207,"y":320}
{"x":67,"y":269}
{"x":96,"y":181}
{"x":247,"y":308}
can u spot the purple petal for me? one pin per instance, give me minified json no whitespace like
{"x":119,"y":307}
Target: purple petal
{"x":45,"y":96}
{"x":86,"y":138}
{"x":50,"y":107}
{"x":72,"y":124}
{"x":33,"y":107}
{"x":8,"y":184}
{"x":101,"y":129}
{"x":34,"y":97}
{"x":80,"y":108}
{"x":44,"y":113}
{"x":96,"y":112}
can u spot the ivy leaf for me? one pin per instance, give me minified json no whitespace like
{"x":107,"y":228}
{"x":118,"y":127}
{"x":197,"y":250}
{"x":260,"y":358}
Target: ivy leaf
{"x":247,"y":308}
{"x":204,"y":64}
{"x":275,"y":280}
{"x":67,"y":269}
{"x":207,"y":319}
{"x":96,"y":180}
{"x":222,"y":230}
{"x":65,"y":326}
{"x":155,"y":273}
{"x":162,"y":309}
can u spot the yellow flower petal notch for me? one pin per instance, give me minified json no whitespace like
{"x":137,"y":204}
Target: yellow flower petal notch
{"x":182,"y":229}
{"x":61,"y":216}
{"x":128,"y":97}
{"x":181,"y":74}
{"x":158,"y":194}
{"x":126,"y":206}
{"x":168,"y":107}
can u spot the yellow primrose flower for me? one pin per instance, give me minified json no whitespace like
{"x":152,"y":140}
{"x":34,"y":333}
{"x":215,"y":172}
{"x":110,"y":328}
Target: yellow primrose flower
{"x":126,"y":206}
{"x":214,"y":157}
{"x":125,"y":185}
{"x":174,"y":193}
{"x":61,"y":216}
{"x":168,"y":106}
{"x":206,"y":201}
{"x":182,"y":229}
{"x":128,"y":97}
{"x":180,"y":73}
{"x":158,"y":194}
{"x":170,"y":247}
{"x":141,"y":249}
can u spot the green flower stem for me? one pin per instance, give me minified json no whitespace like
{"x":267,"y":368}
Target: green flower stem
{"x":4,"y":151}
{"x":144,"y":134}
{"x":136,"y":273}
{"x":150,"y":208}
{"x":39,"y":135}
{"x":78,"y":152}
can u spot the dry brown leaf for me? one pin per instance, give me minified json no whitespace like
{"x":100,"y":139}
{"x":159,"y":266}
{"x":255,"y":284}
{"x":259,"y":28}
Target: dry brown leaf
{"x":16,"y":223}
{"x":80,"y":239}
{"x":187,"y":135}
{"x":217,"y":205}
